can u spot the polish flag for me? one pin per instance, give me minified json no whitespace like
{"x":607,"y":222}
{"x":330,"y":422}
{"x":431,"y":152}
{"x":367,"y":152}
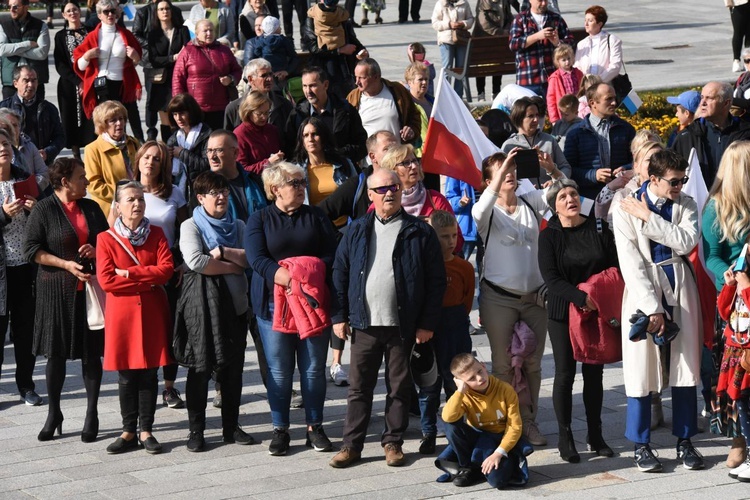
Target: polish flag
{"x":696,"y":188}
{"x":455,"y":145}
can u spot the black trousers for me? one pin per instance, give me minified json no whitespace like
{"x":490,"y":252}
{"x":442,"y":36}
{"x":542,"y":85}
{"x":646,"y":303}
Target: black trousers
{"x":287,"y":6}
{"x":740,"y":29}
{"x":565,"y":372}
{"x":404,"y":10}
{"x":368,"y":347}
{"x":152,"y":117}
{"x":20,"y":313}
{"x":137,"y":389}
{"x":230,"y":378}
{"x":114,"y":92}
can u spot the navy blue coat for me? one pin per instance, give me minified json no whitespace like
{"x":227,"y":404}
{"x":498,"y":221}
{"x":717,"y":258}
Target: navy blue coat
{"x":582,"y":152}
{"x":417,"y":266}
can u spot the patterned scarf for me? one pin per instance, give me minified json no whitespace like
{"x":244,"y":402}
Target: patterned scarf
{"x":122,"y":145}
{"x":137,"y":237}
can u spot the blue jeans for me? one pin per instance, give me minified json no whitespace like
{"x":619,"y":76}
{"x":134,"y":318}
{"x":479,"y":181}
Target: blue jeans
{"x":452,"y":56}
{"x":469,"y":447}
{"x":281,"y":350}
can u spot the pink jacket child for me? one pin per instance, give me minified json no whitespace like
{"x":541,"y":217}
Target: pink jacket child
{"x":303,"y":308}
{"x":556,"y":89}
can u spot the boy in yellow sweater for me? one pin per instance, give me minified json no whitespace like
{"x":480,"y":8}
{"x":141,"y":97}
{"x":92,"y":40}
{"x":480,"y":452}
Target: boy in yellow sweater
{"x":483,"y":426}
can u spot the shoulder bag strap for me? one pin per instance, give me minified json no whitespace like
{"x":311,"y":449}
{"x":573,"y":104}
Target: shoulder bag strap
{"x":125,"y":247}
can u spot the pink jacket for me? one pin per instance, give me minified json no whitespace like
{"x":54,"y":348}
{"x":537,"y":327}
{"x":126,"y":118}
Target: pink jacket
{"x":596,"y":335}
{"x":555,"y":91}
{"x":304,"y":308}
{"x":197,"y":72}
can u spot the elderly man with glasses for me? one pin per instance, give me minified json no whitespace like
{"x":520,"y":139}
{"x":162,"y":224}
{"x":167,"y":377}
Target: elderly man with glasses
{"x":24,"y":40}
{"x":389,"y":281}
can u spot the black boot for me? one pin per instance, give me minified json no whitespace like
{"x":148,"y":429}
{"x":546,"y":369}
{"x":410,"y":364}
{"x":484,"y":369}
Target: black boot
{"x":596,"y":442}
{"x":566,"y":445}
{"x":166,"y":132}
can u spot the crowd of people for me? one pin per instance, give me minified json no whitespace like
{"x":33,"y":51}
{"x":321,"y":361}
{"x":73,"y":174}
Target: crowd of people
{"x":308,"y":225}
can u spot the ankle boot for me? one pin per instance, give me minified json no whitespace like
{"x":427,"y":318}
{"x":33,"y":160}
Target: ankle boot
{"x":737,"y":453}
{"x":566,"y":445}
{"x":596,"y":442}
{"x":166,"y":132}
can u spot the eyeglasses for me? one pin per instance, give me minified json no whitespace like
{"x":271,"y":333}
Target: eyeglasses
{"x":414,"y":162}
{"x":113,"y":121}
{"x":265,"y":75}
{"x":164,"y":9}
{"x":215,"y":194}
{"x":109,"y":12}
{"x":16,"y":7}
{"x":393,"y":188}
{"x":213,"y":151}
{"x":297,"y":183}
{"x":746,"y":61}
{"x":262,"y":114}
{"x":675,"y":182}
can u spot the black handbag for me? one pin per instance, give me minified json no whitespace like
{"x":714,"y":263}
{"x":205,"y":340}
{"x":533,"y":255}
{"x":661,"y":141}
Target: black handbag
{"x":621,"y":83}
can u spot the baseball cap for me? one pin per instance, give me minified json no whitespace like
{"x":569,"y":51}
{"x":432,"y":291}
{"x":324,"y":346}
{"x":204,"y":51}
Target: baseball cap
{"x":689,"y":100}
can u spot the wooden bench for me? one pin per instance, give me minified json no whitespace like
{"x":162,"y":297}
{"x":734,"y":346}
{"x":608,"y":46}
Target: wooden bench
{"x":490,"y":56}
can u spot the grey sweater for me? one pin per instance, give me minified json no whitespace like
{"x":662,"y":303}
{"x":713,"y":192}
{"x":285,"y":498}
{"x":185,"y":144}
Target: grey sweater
{"x":380,"y":283}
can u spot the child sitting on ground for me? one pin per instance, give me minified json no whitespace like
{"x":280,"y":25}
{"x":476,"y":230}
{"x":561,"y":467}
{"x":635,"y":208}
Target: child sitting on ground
{"x":568,"y":109}
{"x":327,"y":17}
{"x":565,"y":80}
{"x":484,"y":430}
{"x":452,"y":334}
{"x":276,"y":49}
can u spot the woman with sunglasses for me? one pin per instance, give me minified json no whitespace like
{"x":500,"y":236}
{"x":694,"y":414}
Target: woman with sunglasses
{"x":105,"y":61}
{"x":259,"y":141}
{"x":416,"y":199}
{"x":655,"y":229}
{"x":726,"y":219}
{"x":284,"y":230}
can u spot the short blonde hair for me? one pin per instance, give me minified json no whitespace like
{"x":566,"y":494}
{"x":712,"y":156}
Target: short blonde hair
{"x":462,"y":362}
{"x":561,"y":51}
{"x":203,"y":21}
{"x":253,"y":101}
{"x":416,"y":69}
{"x":277,"y":174}
{"x":396,"y":154}
{"x":107,"y":111}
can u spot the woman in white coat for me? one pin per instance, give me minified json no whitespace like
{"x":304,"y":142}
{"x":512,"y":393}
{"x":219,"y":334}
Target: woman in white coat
{"x":448,"y":18}
{"x":655,"y":229}
{"x":600,"y":53}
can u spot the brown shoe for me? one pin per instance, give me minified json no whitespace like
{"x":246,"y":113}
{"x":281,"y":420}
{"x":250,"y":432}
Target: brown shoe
{"x":345,"y":458}
{"x":737,"y":453}
{"x":394,"y":457}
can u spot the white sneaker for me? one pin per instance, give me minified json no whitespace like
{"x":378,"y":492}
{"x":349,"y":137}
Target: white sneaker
{"x":339,"y":375}
{"x":531,"y":431}
{"x":737,"y":66}
{"x":741,"y":472}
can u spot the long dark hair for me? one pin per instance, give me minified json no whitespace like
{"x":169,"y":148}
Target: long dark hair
{"x":326,"y":138}
{"x":155,"y":23}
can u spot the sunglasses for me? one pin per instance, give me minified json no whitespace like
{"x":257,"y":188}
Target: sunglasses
{"x":676,"y":182}
{"x":297,"y":183}
{"x":746,"y":61}
{"x":393,"y":188}
{"x":109,"y":12}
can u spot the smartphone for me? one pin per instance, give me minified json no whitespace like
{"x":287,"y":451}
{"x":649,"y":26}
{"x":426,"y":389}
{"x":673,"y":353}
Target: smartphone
{"x":740,"y":266}
{"x":549,"y":23}
{"x":527,"y":164}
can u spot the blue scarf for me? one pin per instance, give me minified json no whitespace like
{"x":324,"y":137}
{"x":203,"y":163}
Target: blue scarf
{"x":216,"y":232}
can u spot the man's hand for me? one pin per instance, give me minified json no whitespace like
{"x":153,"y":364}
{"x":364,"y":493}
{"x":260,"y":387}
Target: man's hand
{"x":491,"y":463}
{"x":407,"y":133}
{"x":341,"y":330}
{"x":636,"y":208}
{"x":423,"y":336}
{"x":656,"y":324}
{"x":604,"y":175}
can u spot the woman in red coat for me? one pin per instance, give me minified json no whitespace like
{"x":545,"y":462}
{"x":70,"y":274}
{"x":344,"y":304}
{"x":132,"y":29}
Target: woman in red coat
{"x":110,"y":52}
{"x":133,"y":262}
{"x":208,"y":71}
{"x":257,"y":140}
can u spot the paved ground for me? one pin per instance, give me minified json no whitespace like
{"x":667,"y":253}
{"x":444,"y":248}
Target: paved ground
{"x":67,"y":467}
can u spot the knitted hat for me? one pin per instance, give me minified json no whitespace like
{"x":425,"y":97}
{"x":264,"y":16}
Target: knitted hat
{"x":270,"y":25}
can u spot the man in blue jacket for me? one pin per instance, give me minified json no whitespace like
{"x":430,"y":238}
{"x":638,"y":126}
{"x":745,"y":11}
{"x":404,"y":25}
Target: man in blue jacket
{"x":598,"y":148}
{"x":389,"y":281}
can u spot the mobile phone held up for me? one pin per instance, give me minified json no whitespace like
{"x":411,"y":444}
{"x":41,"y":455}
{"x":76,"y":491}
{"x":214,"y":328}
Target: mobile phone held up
{"x":527,"y":164}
